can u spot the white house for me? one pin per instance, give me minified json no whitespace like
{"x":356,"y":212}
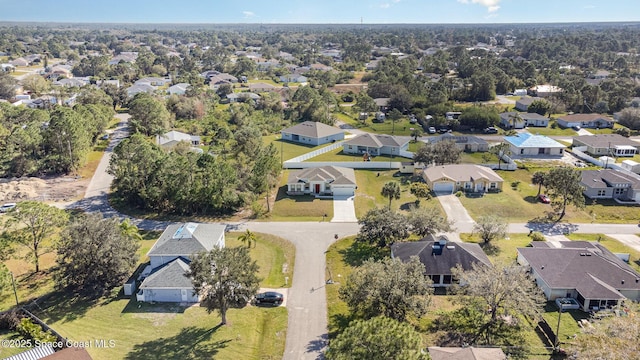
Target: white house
{"x":172,"y":138}
{"x":312,"y":133}
{"x":164,"y":279}
{"x":519,"y":120}
{"x":526,"y":144}
{"x":325,"y":181}
{"x":178,"y":89}
{"x":376,"y":145}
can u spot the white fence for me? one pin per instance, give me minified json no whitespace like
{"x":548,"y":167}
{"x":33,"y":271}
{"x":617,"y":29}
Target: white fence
{"x":348,"y":164}
{"x":507,"y":164}
{"x":314,"y":153}
{"x":580,"y":153}
{"x":407,"y":154}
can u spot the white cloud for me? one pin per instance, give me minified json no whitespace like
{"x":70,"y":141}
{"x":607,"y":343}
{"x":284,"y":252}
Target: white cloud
{"x":491,"y":5}
{"x":248,"y":14}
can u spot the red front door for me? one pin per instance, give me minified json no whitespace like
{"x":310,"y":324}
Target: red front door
{"x":317,"y":188}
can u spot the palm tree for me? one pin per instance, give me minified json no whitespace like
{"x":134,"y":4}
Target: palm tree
{"x":538,"y":178}
{"x":416,"y":133}
{"x":130,"y":230}
{"x":514,"y":118}
{"x":391,"y":190}
{"x":248,"y":238}
{"x":500,"y":150}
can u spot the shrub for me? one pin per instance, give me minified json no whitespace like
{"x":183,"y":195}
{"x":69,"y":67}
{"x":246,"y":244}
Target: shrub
{"x":34,"y":331}
{"x":536,"y":236}
{"x":515,"y":184}
{"x":9,"y":320}
{"x":459,"y":193}
{"x":420,"y":190}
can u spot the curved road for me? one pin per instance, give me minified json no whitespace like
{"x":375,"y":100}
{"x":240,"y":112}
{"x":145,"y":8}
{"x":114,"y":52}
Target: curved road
{"x":307,"y":324}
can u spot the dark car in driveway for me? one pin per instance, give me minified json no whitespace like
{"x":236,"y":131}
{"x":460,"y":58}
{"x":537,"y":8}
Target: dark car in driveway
{"x":269,"y":297}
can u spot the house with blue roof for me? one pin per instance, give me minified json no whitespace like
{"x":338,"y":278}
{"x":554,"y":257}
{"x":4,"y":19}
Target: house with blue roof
{"x":526,"y":144}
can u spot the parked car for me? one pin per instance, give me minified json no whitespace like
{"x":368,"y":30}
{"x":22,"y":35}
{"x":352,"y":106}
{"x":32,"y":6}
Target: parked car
{"x":491,"y":130}
{"x":544,"y":199}
{"x":104,"y":137}
{"x":576,"y":128}
{"x":269,"y":297}
{"x":580,"y":164}
{"x":443,"y":130}
{"x":431,"y":130}
{"x":6,"y":207}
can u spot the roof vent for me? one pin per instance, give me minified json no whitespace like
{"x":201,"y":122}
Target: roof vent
{"x":622,"y":281}
{"x":542,"y":267}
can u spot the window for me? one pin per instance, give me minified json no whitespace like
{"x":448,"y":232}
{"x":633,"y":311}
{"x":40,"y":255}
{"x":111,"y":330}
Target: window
{"x":619,"y":191}
{"x":435,"y":279}
{"x":492,"y":186}
{"x":447,"y":279}
{"x":602,"y":192}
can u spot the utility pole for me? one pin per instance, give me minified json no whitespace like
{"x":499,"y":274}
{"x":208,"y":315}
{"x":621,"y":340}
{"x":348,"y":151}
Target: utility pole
{"x":557,"y":343}
{"x":15,"y":293}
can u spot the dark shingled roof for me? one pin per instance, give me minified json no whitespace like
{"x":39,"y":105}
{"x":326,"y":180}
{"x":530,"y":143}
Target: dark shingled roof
{"x":313,"y":129}
{"x":591,"y":269}
{"x":169,"y":276}
{"x":439,"y":257}
{"x":187,"y":239}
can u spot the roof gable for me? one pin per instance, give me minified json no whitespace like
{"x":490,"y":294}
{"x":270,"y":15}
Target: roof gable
{"x":440,"y":256}
{"x":461,"y":172}
{"x":313,"y":129}
{"x":169,"y":275}
{"x":527,"y":140}
{"x":186,"y":239}
{"x":330,"y":174}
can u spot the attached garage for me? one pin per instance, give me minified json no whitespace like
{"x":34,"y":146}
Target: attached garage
{"x":343,"y":190}
{"x":443,"y":187}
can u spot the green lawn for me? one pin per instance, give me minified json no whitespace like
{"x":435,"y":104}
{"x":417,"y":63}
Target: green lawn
{"x":402,"y":127}
{"x":288,"y":149}
{"x":520,"y":205}
{"x":338,"y":155}
{"x":549,"y":131}
{"x":502,"y":251}
{"x":568,"y":321}
{"x":370,"y":183}
{"x":7,"y":351}
{"x":478,"y":158}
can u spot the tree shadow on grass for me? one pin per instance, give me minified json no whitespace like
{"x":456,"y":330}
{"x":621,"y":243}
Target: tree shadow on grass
{"x":134,"y":306}
{"x":359,"y":252}
{"x":191,"y":343}
{"x":64,"y":305}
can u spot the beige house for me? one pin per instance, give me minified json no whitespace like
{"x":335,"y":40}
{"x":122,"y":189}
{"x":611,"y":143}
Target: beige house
{"x":465,"y":177}
{"x":322,"y":181}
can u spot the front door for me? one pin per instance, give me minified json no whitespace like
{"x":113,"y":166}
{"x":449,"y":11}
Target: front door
{"x":317,"y":189}
{"x":183,"y":292}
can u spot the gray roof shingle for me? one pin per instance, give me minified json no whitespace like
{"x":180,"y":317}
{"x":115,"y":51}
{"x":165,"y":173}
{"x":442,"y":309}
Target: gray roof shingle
{"x":171,"y":275}
{"x":339,"y":175}
{"x":313,"y":129}
{"x":187,"y":239}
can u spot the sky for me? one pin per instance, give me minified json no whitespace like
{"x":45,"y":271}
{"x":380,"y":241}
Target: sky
{"x":320,"y":11}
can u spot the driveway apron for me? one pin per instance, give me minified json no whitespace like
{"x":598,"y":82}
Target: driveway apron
{"x":344,"y":209}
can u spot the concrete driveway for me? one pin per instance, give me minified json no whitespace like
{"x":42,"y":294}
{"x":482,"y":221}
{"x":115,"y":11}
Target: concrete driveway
{"x":462,"y":222}
{"x":631,"y":240}
{"x":344,"y":209}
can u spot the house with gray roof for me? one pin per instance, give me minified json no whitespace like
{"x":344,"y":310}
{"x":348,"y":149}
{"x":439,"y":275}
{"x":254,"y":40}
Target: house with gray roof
{"x":526,"y":144}
{"x":585,"y":271}
{"x":464,"y":177}
{"x":610,"y":184}
{"x":607,"y":145}
{"x":523,"y":103}
{"x":375,"y":145}
{"x":170,"y":256}
{"x":466,"y":353}
{"x":140,"y":88}
{"x":322,"y":181}
{"x":178,"y":89}
{"x":243,"y":96}
{"x":172,"y":138}
{"x":467,"y":143}
{"x":312,"y":133}
{"x":520,"y":120}
{"x":593,"y":121}
{"x":439,"y":256}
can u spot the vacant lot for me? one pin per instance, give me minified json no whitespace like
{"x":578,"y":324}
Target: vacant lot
{"x":401,"y":127}
{"x":289,"y":150}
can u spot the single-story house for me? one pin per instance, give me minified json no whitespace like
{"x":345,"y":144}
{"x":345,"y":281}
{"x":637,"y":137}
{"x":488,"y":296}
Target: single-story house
{"x":519,"y":120}
{"x":172,"y":138}
{"x":140,"y":88}
{"x":7,"y":67}
{"x":545,"y":90}
{"x":166,"y":279}
{"x":324,"y":180}
{"x":240,"y":97}
{"x":382,"y":104}
{"x":523,"y":103}
{"x":19,"y":62}
{"x":594,"y":121}
{"x":526,"y":144}
{"x":466,"y":353}
{"x":466,"y":143}
{"x":73,"y":82}
{"x":581,"y":270}
{"x":261,"y":87}
{"x":607,"y":145}
{"x":178,"y":89}
{"x":611,"y":184}
{"x":439,"y":256}
{"x":465,"y":177}
{"x":125,"y":56}
{"x":375,"y":145}
{"x":153,"y":81}
{"x":312,"y":133}
{"x":294,"y":78}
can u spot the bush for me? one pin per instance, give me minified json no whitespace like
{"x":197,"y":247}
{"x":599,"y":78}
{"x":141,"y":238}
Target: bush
{"x":515,"y":184}
{"x":9,"y":320}
{"x":459,"y":193}
{"x":420,"y":190}
{"x":31,"y":330}
{"x":536,"y":236}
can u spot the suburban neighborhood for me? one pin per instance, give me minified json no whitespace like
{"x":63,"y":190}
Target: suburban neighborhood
{"x":265,"y":191}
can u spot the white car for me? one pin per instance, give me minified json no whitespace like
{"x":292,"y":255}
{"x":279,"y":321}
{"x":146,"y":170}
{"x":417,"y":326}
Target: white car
{"x":6,"y":207}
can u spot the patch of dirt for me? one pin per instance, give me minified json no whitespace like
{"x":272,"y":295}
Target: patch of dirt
{"x":61,"y":188}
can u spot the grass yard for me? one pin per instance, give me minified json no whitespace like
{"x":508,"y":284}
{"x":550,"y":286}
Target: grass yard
{"x":288,"y":149}
{"x":93,"y":159}
{"x":175,"y":332}
{"x":568,"y":321}
{"x":339,"y":155}
{"x":502,"y":251}
{"x":478,"y":158}
{"x":370,"y":183}
{"x":519,"y":204}
{"x":402,"y":127}
{"x":7,"y":351}
{"x":299,"y":208}
{"x":550,"y":131}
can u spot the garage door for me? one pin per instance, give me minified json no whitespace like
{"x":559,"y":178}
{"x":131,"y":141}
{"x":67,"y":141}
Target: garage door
{"x":443,"y":187}
{"x":345,"y":191}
